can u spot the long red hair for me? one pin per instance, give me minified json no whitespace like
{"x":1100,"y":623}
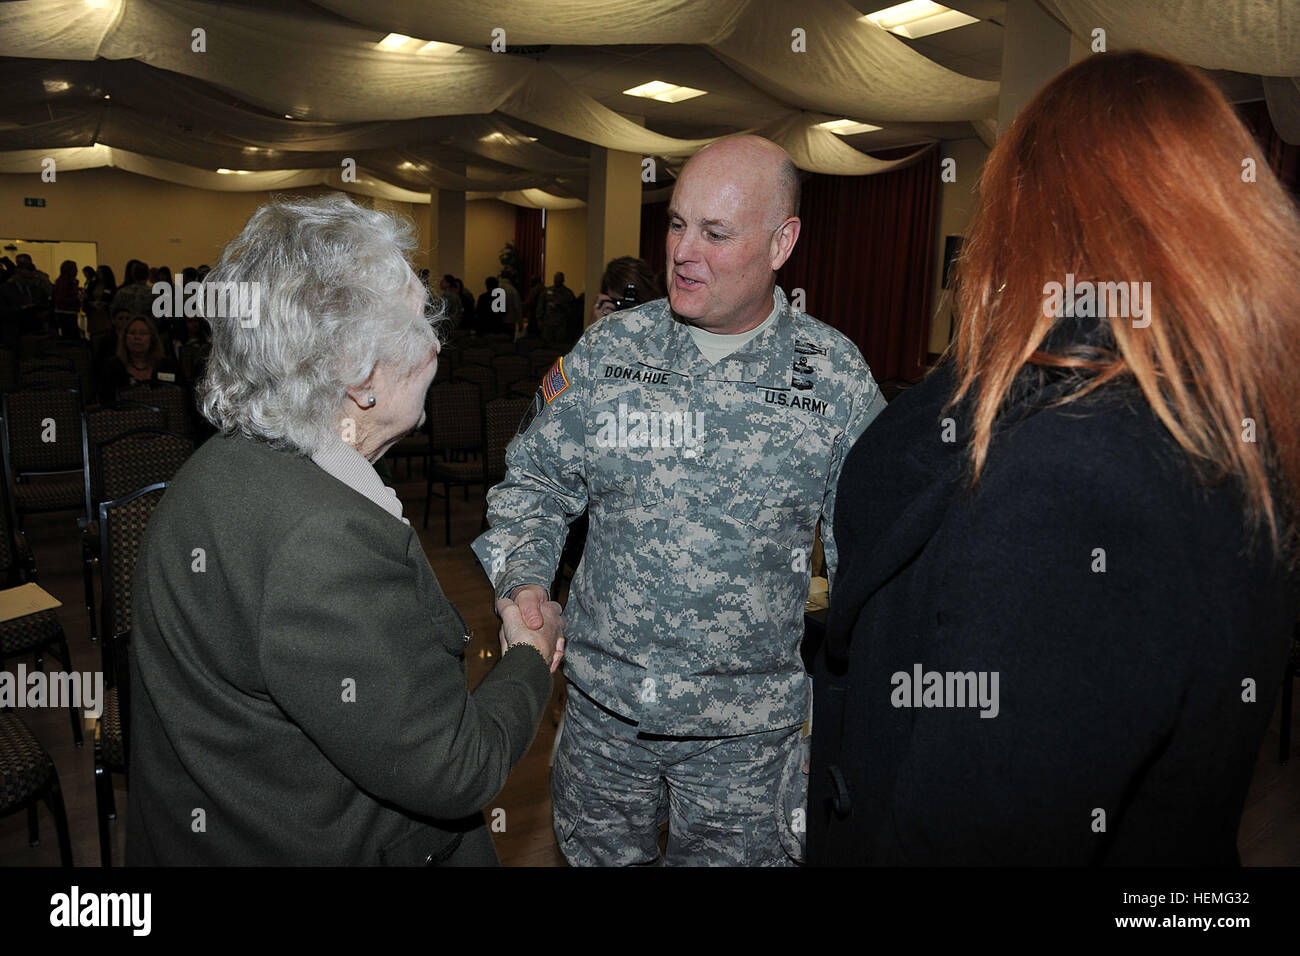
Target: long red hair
{"x":1130,"y":167}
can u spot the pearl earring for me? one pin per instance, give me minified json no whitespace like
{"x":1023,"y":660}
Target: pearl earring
{"x":370,"y":402}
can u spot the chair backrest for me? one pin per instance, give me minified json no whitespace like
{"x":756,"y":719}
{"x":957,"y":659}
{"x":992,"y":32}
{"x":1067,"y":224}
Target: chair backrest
{"x":528,"y":343}
{"x":10,"y":569}
{"x":122,"y":523}
{"x":480,"y":375}
{"x":455,"y":411}
{"x":170,"y":398}
{"x":105,"y":423}
{"x":140,"y":457}
{"x":48,"y":369}
{"x":501,"y":418}
{"x":500,"y":346}
{"x":43,"y":431}
{"x":524,"y":388}
{"x":542,"y":360}
{"x":477,"y":355}
{"x":8,"y":370}
{"x":512,"y":368}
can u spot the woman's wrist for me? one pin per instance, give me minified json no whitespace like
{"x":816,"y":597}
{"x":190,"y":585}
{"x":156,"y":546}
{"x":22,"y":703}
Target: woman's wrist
{"x":511,"y":645}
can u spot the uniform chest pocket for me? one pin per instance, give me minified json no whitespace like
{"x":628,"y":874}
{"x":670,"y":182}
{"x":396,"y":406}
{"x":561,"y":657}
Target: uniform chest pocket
{"x":639,"y":446}
{"x":781,"y":463}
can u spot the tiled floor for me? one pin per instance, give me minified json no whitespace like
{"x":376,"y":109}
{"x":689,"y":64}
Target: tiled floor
{"x":1269,"y":836}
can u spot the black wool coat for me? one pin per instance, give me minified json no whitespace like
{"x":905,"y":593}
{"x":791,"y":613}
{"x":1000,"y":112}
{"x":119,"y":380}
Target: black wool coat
{"x":1138,"y":636}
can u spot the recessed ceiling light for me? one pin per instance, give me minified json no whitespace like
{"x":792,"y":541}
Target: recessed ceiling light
{"x":847,"y":127}
{"x":234,"y":172}
{"x":664,"y":92}
{"x":496,"y":136}
{"x":394,"y":41}
{"x":919,"y":18}
{"x":443,"y":49}
{"x":56,"y":86}
{"x":288,"y":116}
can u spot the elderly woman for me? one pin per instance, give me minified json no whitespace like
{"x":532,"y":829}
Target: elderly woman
{"x":297,"y":672}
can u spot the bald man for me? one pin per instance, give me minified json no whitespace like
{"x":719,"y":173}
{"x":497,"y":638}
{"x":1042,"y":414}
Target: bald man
{"x":703,"y":434}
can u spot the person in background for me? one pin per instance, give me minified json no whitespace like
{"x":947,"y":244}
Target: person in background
{"x":318,"y":652}
{"x":514,"y":308}
{"x":99,"y":292}
{"x":618,"y":275}
{"x":1067,"y":586}
{"x":136,"y":295}
{"x":553,"y":308}
{"x":467,"y":317}
{"x":450,"y":298}
{"x":67,"y":301}
{"x":536,"y":288}
{"x":42,"y":279}
{"x":489,"y":318}
{"x":141,"y":360}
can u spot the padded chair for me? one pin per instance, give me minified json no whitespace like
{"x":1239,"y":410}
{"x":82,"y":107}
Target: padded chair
{"x":172,"y":399}
{"x":8,"y":370}
{"x":480,"y":375}
{"x":528,"y":343}
{"x":46,"y":369}
{"x":99,"y":425}
{"x":477,"y":355}
{"x":33,"y":634}
{"x":542,"y":360}
{"x":31,"y":416}
{"x":122,"y":524}
{"x":455,"y":412}
{"x":27,"y":777}
{"x":524,"y":388}
{"x":512,"y":368}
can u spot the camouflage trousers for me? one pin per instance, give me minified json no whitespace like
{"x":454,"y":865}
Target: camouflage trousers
{"x":726,"y":799}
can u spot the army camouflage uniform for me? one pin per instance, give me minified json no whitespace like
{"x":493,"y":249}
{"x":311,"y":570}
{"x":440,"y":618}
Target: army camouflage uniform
{"x":703,"y":486}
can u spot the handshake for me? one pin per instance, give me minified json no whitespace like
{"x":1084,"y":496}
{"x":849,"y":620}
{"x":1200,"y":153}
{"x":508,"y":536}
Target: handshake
{"x":527,"y":617}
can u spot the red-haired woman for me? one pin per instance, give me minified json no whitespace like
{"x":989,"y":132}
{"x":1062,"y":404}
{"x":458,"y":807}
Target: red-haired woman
{"x":1064,"y":607}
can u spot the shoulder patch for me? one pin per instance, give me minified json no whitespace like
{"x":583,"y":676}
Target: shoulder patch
{"x":555,"y":381}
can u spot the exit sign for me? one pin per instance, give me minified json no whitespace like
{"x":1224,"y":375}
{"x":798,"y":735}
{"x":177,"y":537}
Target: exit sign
{"x":34,"y":201}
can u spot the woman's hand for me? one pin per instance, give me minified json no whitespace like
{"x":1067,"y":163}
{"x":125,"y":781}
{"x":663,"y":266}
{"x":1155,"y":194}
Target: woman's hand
{"x":535,"y":622}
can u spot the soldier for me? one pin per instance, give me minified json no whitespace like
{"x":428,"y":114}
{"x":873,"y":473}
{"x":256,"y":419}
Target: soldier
{"x":704,"y":467}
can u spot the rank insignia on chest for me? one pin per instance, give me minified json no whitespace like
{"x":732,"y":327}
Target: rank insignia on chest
{"x":555,"y":381}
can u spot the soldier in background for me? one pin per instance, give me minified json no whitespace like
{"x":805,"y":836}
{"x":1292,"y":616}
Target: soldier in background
{"x":553,"y":308}
{"x":703,"y":435}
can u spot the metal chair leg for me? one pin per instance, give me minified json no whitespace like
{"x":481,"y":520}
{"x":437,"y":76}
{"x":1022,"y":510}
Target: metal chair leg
{"x":446,"y":512}
{"x":103,"y":793}
{"x":54,"y":799}
{"x":1284,"y":742}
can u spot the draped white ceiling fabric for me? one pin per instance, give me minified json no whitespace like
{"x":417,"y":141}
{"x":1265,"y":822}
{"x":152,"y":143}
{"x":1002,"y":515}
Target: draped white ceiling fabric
{"x":288,"y":93}
{"x":1249,"y":36}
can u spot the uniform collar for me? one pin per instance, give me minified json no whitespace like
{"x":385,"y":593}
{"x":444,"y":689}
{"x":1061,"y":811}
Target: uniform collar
{"x":764,"y":360}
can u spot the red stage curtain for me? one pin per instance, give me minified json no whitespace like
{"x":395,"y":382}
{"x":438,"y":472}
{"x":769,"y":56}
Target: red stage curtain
{"x":530,"y":243}
{"x":1281,"y":157}
{"x":865,"y":261}
{"x":654,"y":229}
